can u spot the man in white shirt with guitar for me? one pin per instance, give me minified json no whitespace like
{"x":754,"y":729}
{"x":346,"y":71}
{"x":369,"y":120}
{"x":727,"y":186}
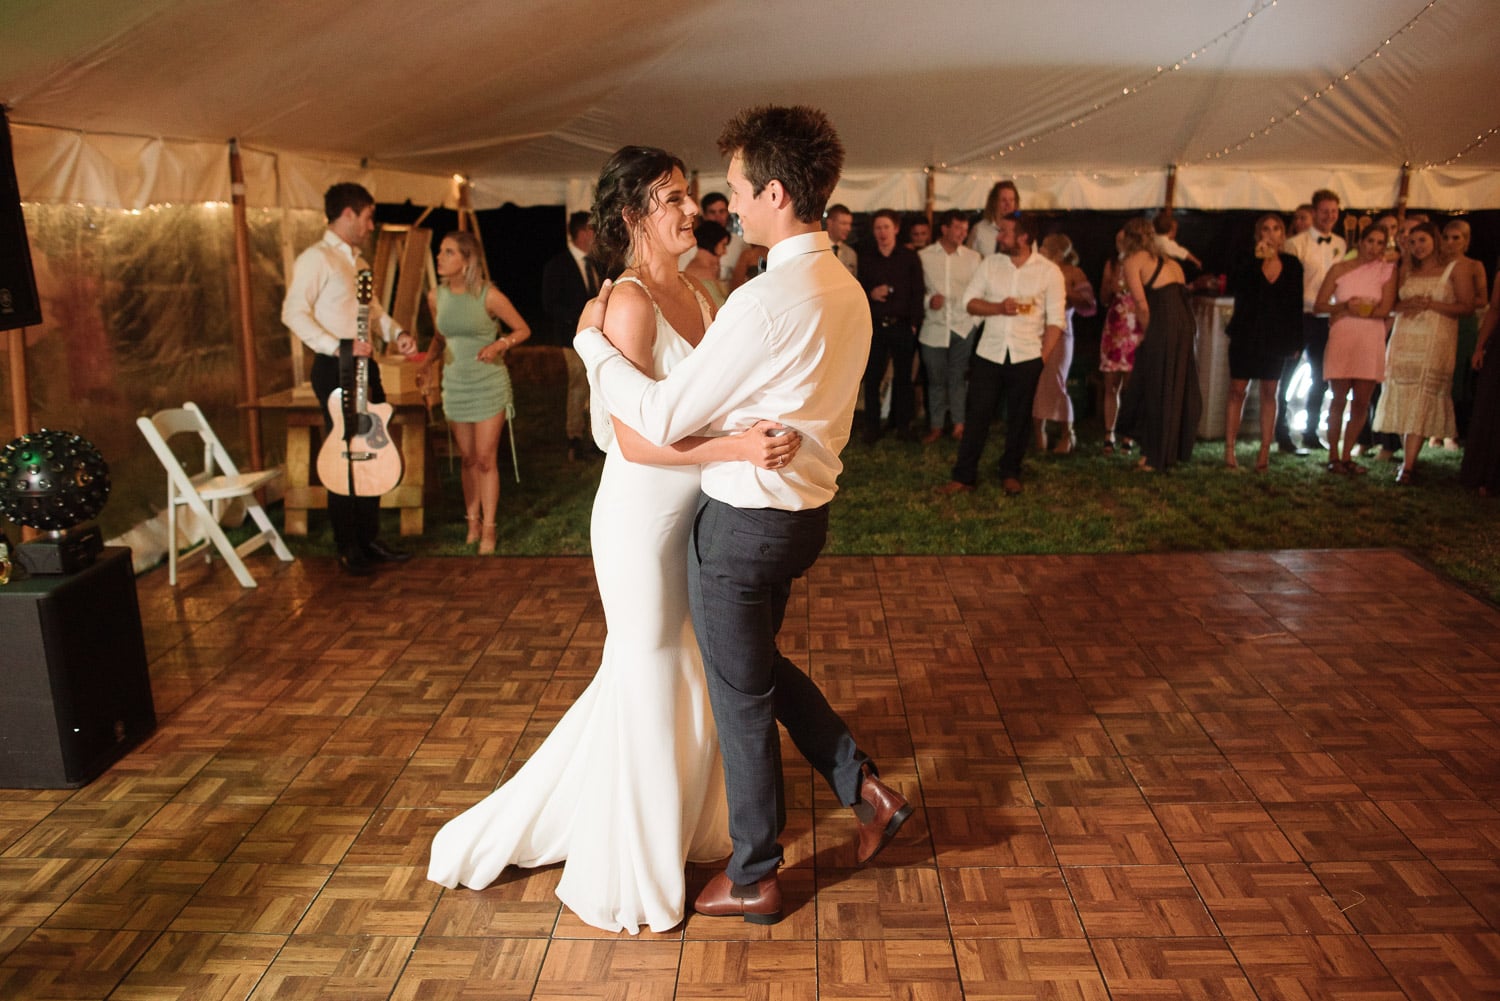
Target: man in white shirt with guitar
{"x":322,"y":309}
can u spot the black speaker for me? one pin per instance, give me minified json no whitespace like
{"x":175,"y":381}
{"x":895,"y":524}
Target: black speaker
{"x":19,"y":306}
{"x":75,"y":694}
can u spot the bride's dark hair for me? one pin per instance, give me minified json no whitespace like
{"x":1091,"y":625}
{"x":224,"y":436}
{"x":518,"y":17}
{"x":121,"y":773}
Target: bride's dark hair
{"x":623,"y":197}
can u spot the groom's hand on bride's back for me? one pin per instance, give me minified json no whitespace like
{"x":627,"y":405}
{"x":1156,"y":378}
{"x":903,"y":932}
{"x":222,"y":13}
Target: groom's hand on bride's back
{"x":593,"y":310}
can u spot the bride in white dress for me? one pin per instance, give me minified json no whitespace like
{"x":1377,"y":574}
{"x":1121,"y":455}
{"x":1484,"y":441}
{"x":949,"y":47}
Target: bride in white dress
{"x":629,"y":786}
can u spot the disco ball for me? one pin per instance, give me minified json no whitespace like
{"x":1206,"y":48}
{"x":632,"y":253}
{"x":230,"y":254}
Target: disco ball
{"x":52,"y":480}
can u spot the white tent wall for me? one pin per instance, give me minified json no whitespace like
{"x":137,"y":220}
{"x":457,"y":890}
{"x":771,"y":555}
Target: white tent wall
{"x":1086,"y":103}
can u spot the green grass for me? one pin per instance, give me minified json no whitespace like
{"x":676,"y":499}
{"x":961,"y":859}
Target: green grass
{"x":1083,"y":503}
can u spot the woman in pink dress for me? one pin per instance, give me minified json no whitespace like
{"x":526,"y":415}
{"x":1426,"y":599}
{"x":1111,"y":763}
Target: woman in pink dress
{"x":1122,"y":334}
{"x":1357,"y":295}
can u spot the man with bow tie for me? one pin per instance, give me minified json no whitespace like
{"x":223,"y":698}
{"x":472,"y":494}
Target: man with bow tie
{"x":1318,"y":249}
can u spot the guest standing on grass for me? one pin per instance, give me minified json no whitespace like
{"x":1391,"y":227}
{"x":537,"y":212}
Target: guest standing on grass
{"x":1117,"y":343}
{"x":1358,"y":296}
{"x":1019,"y":293}
{"x":1161,"y":405}
{"x":1481,"y":466}
{"x":1418,"y":399}
{"x":947,"y":337}
{"x":1052,"y":402}
{"x":1264,"y":331}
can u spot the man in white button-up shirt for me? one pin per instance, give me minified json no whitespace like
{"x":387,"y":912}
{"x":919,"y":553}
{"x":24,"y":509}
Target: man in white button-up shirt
{"x":1020,"y":294}
{"x":946,"y":344}
{"x":322,"y":310}
{"x":1318,"y":248}
{"x":789,"y":346}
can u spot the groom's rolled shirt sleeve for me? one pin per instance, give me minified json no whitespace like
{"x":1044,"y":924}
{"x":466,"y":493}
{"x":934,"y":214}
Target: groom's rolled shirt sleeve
{"x":703,"y":387}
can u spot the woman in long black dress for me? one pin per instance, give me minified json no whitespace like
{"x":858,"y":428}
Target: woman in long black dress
{"x":1481,"y":467}
{"x":1161,"y":403}
{"x":1265,"y":329}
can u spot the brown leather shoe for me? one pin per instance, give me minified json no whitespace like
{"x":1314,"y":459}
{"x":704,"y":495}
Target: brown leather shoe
{"x":953,"y":487}
{"x":889,"y":811}
{"x":759,"y":904}
{"x":1011,"y":486}
{"x":932,"y":436}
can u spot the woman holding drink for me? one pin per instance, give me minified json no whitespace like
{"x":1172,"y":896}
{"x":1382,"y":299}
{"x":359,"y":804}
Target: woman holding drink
{"x":1357,"y":295}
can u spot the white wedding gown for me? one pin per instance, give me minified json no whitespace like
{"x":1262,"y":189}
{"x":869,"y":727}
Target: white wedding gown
{"x":628,"y":787}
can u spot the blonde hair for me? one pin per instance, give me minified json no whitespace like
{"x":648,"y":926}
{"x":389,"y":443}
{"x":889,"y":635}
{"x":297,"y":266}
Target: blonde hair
{"x":1057,"y":247}
{"x":1139,"y":235}
{"x":468,"y":247}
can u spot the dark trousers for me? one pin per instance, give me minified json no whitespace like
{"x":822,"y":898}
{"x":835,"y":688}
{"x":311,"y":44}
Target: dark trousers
{"x":990,"y":384}
{"x":741,"y":566}
{"x":355,"y":520}
{"x":898,"y":345}
{"x":1315,"y":331}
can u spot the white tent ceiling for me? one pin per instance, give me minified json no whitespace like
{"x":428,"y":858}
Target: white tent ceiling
{"x":130,"y":103}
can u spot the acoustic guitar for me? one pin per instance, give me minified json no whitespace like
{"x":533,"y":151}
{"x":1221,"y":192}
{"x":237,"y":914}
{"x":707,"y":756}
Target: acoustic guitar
{"x":359,"y":459}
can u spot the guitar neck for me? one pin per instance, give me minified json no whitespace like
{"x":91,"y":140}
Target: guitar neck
{"x":361,"y":365}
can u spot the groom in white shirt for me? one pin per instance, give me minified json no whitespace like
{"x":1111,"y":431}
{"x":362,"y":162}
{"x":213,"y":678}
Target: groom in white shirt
{"x":789,"y":346}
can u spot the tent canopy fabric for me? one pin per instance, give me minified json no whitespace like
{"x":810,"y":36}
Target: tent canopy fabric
{"x":1248,"y":103}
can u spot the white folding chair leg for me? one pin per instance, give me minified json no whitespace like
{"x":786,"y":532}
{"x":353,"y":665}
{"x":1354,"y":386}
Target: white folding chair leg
{"x":221,"y":541}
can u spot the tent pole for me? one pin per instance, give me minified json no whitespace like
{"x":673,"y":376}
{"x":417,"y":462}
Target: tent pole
{"x":1171,"y":198}
{"x":1402,"y":192}
{"x":250,"y":378}
{"x":20,"y":394}
{"x":931,"y":193}
{"x":20,"y":401}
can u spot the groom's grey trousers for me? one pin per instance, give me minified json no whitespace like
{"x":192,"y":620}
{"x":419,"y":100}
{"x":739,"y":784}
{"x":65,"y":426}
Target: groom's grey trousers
{"x":741,"y":566}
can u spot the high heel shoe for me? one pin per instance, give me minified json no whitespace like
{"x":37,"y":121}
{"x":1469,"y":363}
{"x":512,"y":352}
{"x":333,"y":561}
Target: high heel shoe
{"x":487,"y":539}
{"x":473,"y":537}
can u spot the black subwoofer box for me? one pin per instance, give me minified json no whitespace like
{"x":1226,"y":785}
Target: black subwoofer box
{"x":75,"y":694}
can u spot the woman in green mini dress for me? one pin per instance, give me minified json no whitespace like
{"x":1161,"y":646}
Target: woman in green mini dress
{"x":476,"y":383}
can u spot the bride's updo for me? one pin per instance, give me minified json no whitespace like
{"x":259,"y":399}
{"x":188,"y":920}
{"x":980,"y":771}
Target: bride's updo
{"x":623,"y":197}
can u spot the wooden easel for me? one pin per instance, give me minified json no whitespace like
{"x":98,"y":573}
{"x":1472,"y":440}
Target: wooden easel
{"x":404,"y":271}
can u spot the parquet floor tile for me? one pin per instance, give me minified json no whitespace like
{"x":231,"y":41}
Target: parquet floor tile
{"x":785,"y":971}
{"x":1018,"y":902}
{"x":1396,"y":897}
{"x":1267,"y":898}
{"x":1314,"y":968}
{"x":1279,"y":779}
{"x":327,"y":966}
{"x":1431,"y":967}
{"x":193,"y":966}
{"x":921,"y":970}
{"x":1127,"y":901}
{"x":471,"y":969}
{"x":1193,"y":969}
{"x":71,"y":963}
{"x":132,"y":894}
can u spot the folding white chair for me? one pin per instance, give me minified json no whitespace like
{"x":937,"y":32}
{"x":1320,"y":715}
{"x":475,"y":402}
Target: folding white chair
{"x":206,"y":492}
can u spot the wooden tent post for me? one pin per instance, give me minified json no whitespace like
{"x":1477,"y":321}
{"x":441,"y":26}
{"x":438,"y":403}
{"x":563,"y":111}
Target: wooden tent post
{"x":1401,"y":194}
{"x":1171,"y":198}
{"x":20,"y":394}
{"x":249,"y":377}
{"x":931,"y":193}
{"x":20,"y":400}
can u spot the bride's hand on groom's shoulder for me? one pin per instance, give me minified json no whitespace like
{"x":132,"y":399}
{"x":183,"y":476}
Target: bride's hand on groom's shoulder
{"x":594,"y":309}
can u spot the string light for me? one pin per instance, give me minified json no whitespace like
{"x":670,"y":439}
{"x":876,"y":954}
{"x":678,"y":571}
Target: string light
{"x":1479,"y":141}
{"x":1322,"y":92}
{"x":1126,"y":93}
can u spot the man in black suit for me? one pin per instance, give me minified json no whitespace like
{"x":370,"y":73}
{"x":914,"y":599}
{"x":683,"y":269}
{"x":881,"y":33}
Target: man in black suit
{"x":568,"y":281}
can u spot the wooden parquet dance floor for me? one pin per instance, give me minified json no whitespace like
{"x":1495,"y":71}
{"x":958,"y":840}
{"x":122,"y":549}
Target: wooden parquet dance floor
{"x":1234,"y":776}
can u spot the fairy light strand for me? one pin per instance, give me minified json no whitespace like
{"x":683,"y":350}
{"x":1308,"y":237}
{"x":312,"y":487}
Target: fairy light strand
{"x":1479,"y":141}
{"x":1307,"y":99}
{"x":1127,"y":92}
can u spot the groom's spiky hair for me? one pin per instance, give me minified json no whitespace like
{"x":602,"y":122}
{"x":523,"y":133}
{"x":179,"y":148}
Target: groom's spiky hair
{"x":797,"y":146}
